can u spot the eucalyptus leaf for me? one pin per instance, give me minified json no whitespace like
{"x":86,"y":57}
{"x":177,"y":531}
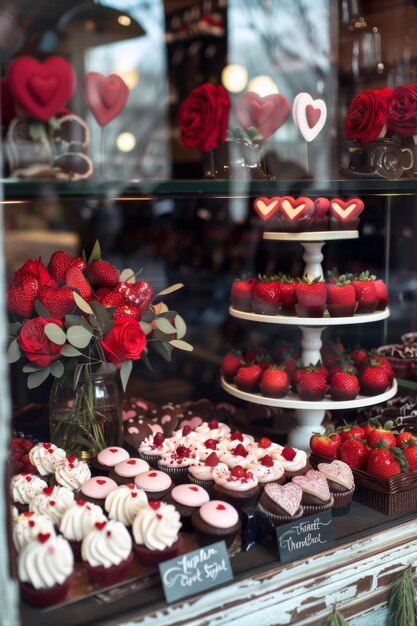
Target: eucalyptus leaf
{"x":72,"y":320}
{"x":165,"y":325}
{"x":162,"y":308}
{"x":37,"y":378}
{"x":169,"y":315}
{"x":147,"y":315}
{"x":53,"y":122}
{"x":100,"y":312}
{"x":57,"y":369}
{"x":70,"y":351}
{"x":162,"y":348}
{"x":125,"y":372}
{"x":127,"y":276}
{"x":55,"y":334}
{"x":82,"y":321}
{"x":31,"y":367}
{"x":158,"y":335}
{"x":180,"y":325}
{"x":95,"y":253}
{"x":147,"y":328}
{"x":14,"y":328}
{"x":13,"y":351}
{"x":170,"y":289}
{"x":145,"y":359}
{"x":79,"y":336}
{"x":181,"y":345}
{"x":82,"y":304}
{"x":41,"y":310}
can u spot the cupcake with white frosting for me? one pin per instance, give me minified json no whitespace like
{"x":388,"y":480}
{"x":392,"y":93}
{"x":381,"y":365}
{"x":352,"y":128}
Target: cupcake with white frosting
{"x":152,"y":448}
{"x":53,"y":502}
{"x":238,"y":455}
{"x":72,"y":473}
{"x":294,"y":461}
{"x":238,"y":486}
{"x":202,"y":473}
{"x":123,"y":503}
{"x":177,"y":462}
{"x":24,"y":487}
{"x":28,"y":526}
{"x":267,"y":470}
{"x":155,"y":532}
{"x":213,"y":429}
{"x":107,"y":553}
{"x":45,"y":457}
{"x":79,"y":520}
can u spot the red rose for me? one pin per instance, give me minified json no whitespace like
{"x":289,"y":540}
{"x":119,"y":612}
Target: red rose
{"x":35,"y":344}
{"x":366,"y":118}
{"x":402,"y":110}
{"x":38,"y":269}
{"x":126,"y":340}
{"x":203,"y":117}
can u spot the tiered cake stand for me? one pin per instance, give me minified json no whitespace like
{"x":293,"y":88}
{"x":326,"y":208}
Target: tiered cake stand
{"x":310,"y":414}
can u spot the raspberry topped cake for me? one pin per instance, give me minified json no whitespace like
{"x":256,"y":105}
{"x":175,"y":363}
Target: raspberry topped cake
{"x":202,"y":473}
{"x":264,"y":446}
{"x":152,"y":448}
{"x":213,"y":429}
{"x":238,"y":486}
{"x":176,"y":463}
{"x":237,"y":456}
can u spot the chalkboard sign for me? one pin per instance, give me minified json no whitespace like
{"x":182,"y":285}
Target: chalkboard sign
{"x":305,"y":536}
{"x":195,"y":571}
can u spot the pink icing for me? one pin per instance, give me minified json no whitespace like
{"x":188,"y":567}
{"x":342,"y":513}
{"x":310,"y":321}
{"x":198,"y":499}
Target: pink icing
{"x":153,"y":481}
{"x":112,"y":456}
{"x":131,"y":467}
{"x":288,"y":496}
{"x":98,"y":487}
{"x":190,"y":495}
{"x":219,"y":514}
{"x":339,"y":472}
{"x":314,"y":483}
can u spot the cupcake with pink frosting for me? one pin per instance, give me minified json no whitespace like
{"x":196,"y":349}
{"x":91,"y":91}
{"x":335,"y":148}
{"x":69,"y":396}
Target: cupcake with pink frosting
{"x":155,"y":532}
{"x":186,"y":499}
{"x":154,"y":483}
{"x":126,"y":471}
{"x":107,"y":458}
{"x":216,"y":521}
{"x":238,"y":455}
{"x":96,"y":489}
{"x":107,"y":553}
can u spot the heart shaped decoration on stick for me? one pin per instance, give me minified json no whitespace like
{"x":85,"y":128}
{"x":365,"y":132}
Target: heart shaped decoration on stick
{"x":266,"y":207}
{"x":346,"y":210}
{"x":309,"y":115}
{"x":41,"y":89}
{"x":265,"y":113}
{"x":106,"y":96}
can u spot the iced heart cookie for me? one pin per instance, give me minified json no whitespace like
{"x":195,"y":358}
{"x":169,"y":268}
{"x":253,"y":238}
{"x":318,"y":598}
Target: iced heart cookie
{"x":314,"y":486}
{"x":287,"y":497}
{"x":337,"y":472}
{"x":266,"y":207}
{"x":344,"y":214}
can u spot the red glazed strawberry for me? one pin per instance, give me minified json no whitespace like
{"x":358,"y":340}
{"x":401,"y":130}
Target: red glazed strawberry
{"x":326,"y":444}
{"x":384,"y":362}
{"x":75,"y":278}
{"x":296,"y":376}
{"x":274,"y":382}
{"x":373,"y":378}
{"x":241,"y":293}
{"x":102,"y":274}
{"x":140,"y":295}
{"x":248,"y":377}
{"x":359,"y":357}
{"x":127,"y":311}
{"x":341,"y":297}
{"x":344,"y":385}
{"x":311,"y":297}
{"x":264,"y":361}
{"x":101,"y":292}
{"x":351,"y":431}
{"x":332,"y":353}
{"x":382,"y":295}
{"x":114,"y":299}
{"x":410,"y":453}
{"x":323,"y":369}
{"x":59,"y":263}
{"x":381,"y":434}
{"x":288,"y":294}
{"x":404,"y":437}
{"x":21,"y":296}
{"x":386,"y":462}
{"x":58,"y":302}
{"x":365,"y":293}
{"x":311,"y":385}
{"x":230,"y":364}
{"x":266,"y":296}
{"x":355,"y":453}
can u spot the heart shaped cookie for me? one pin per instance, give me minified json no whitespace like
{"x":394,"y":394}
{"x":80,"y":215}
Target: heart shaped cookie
{"x":346,"y":210}
{"x":266,"y":114}
{"x":266,"y":207}
{"x":296,"y":208}
{"x":106,"y":96}
{"x":287,"y":497}
{"x":339,"y":472}
{"x":313,"y":483}
{"x":309,"y":115}
{"x":321,"y":206}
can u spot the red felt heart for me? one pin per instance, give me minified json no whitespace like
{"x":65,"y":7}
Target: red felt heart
{"x":28,"y":513}
{"x":266,"y":207}
{"x":43,"y":537}
{"x":100,"y":481}
{"x":312,"y":115}
{"x":131,"y":486}
{"x":296,"y":208}
{"x":80,"y":502}
{"x":266,"y":114}
{"x":59,"y":302}
{"x":29,"y":479}
{"x":48,"y":491}
{"x":31,"y":523}
{"x":100,"y":525}
{"x":71,"y":459}
{"x":106,"y":96}
{"x":21,"y":296}
{"x":47,"y":446}
{"x":134,"y":494}
{"x":42,"y":89}
{"x":346,"y":210}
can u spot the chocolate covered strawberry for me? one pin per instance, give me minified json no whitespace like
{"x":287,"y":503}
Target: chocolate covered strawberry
{"x":373,"y":379}
{"x":311,"y":297}
{"x":312,"y":384}
{"x":382,"y":295}
{"x":266,"y":296}
{"x":326,"y":444}
{"x":355,"y":453}
{"x":359,"y":357}
{"x":288,"y":294}
{"x":341,"y":297}
{"x":248,"y":376}
{"x":102,"y":274}
{"x":365,"y":293}
{"x":241,"y":293}
{"x":230,"y":364}
{"x":344,"y":385}
{"x":274,"y":382}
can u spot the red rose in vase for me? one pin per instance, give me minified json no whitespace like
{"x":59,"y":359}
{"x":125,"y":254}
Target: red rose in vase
{"x":402,"y":110}
{"x":126,"y":340}
{"x":203,"y":117}
{"x":366,"y":119}
{"x":35,"y":344}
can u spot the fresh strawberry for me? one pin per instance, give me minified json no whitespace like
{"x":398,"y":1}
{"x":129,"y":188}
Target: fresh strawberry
{"x":296,"y":376}
{"x":403,"y":437}
{"x":344,"y":385}
{"x":332,"y":353}
{"x":373,"y":378}
{"x":253,"y":352}
{"x":288,"y":294}
{"x":59,"y":302}
{"x":410,"y":453}
{"x":230,"y":364}
{"x":311,"y":297}
{"x":384,"y":362}
{"x":386,"y":462}
{"x":127,"y":311}
{"x":381,"y":292}
{"x":266,"y":296}
{"x":381,"y":434}
{"x":326,"y":444}
{"x":351,"y":431}
{"x":75,"y":278}
{"x":370,"y":425}
{"x":344,"y":363}
{"x":240,"y":450}
{"x":274,"y":382}
{"x":359,"y":357}
{"x":248,"y":377}
{"x":102,"y":274}
{"x":21,"y":296}
{"x":323,"y":369}
{"x":264,"y":361}
{"x":212,"y":460}
{"x":365,"y":293}
{"x":312,"y":384}
{"x":355,"y":453}
{"x":341,"y":297}
{"x":290,"y":365}
{"x":101,"y":292}
{"x":241,"y":293}
{"x":59,"y":263}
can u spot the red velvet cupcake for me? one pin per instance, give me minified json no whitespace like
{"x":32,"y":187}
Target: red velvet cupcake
{"x":155,"y":532}
{"x":107,"y":553}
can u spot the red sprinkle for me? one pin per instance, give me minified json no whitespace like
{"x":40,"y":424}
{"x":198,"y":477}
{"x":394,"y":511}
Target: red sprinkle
{"x":100,"y":525}
{"x":220,"y":507}
{"x":131,"y":462}
{"x":51,"y":502}
{"x":108,"y":533}
{"x":159,"y":516}
{"x":130,"y":486}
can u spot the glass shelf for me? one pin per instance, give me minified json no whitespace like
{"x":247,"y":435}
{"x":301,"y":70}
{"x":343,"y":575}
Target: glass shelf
{"x":15,"y":189}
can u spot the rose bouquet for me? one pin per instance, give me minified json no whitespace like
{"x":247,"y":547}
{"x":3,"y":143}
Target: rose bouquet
{"x":79,"y":317}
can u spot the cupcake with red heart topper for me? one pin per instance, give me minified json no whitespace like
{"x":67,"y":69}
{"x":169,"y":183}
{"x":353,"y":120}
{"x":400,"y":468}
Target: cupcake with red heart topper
{"x":27,"y":526}
{"x":107,"y":553}
{"x":216,"y":521}
{"x":294,"y":461}
{"x":295,"y":214}
{"x":241,"y":293}
{"x":45,"y":568}
{"x":77,"y":521}
{"x":71,"y":473}
{"x":155,"y":532}
{"x":281,"y":503}
{"x":344,"y":214}
{"x":316,"y":493}
{"x":53,"y":502}
{"x":125,"y":472}
{"x":320,"y":220}
{"x":96,"y":489}
{"x":23,"y":488}
{"x":123,"y":503}
{"x":238,"y":486}
{"x":45,"y":457}
{"x":154,"y":483}
{"x":107,"y":458}
{"x":341,"y":483}
{"x":186,"y":499}
{"x":201,"y":473}
{"x":311,"y":297}
{"x":341,"y":297}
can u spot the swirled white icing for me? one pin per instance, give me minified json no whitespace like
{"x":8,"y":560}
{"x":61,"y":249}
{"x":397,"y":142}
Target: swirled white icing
{"x":235,"y":483}
{"x":266,"y":474}
{"x":123,"y":503}
{"x":156,"y":526}
{"x":106,"y":545}
{"x":298,"y":462}
{"x":79,"y":520}
{"x":221,"y":430}
{"x":45,"y":457}
{"x":72,"y":474}
{"x":24,"y":487}
{"x":149,"y":448}
{"x":45,"y":564}
{"x":27,"y":527}
{"x":53,"y":504}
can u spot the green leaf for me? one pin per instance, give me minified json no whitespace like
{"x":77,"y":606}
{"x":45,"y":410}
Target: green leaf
{"x":77,"y":373}
{"x":79,"y":336}
{"x":147,"y":315}
{"x":95,"y":253}
{"x":57,"y":369}
{"x":85,"y":324}
{"x":41,"y":310}
{"x":72,"y":320}
{"x":13,"y":351}
{"x":14,"y":329}
{"x":125,"y":371}
{"x":403,"y":600}
{"x":127,"y":276}
{"x":31,"y":367}
{"x":162,"y":348}
{"x":145,"y":359}
{"x":147,"y":328}
{"x":82,"y":304}
{"x":70,"y":351}
{"x":165,"y":325}
{"x":36,"y":130}
{"x":101,"y":312}
{"x":55,"y":334}
{"x":181,"y":326}
{"x":170,"y":289}
{"x":37,"y":378}
{"x":181,"y":345}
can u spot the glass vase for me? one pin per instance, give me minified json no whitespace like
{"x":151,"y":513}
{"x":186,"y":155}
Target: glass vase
{"x":88,"y":417}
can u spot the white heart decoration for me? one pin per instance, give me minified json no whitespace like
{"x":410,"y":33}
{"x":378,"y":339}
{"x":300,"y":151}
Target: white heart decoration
{"x":264,"y":209}
{"x":302,"y":115}
{"x":291,"y":211}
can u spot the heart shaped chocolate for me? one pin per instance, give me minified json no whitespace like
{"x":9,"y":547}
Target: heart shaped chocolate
{"x":339,"y":472}
{"x":346,"y":210}
{"x":266,"y":207}
{"x":296,"y":208}
{"x":106,"y":96}
{"x":266,"y":114}
{"x":313,"y":483}
{"x":287,"y":497}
